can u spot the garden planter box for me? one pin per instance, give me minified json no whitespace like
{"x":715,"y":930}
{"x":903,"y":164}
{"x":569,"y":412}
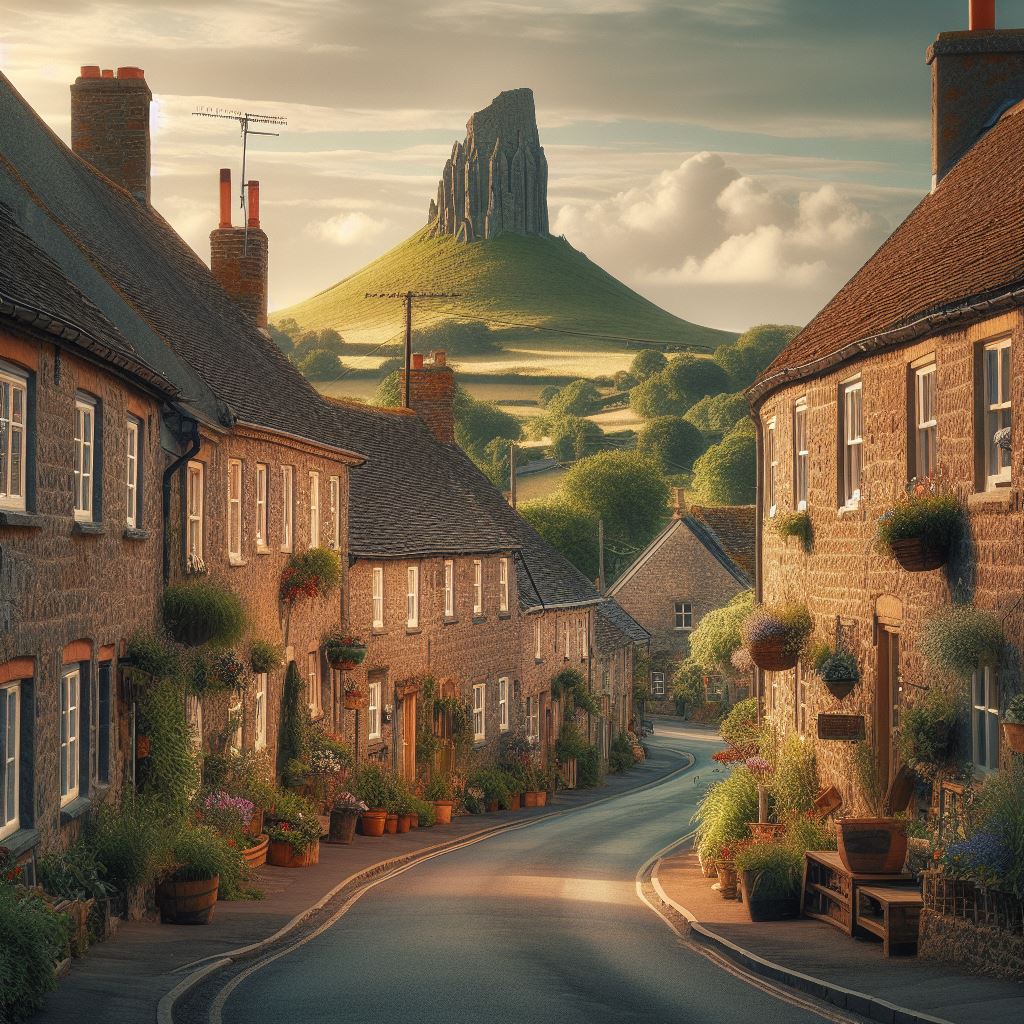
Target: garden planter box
{"x":187,"y":902}
{"x":372,"y":823}
{"x":530,"y":799}
{"x":256,"y":856}
{"x":772,"y":655}
{"x":780,"y":908}
{"x":77,"y":912}
{"x":283,"y":855}
{"x":443,"y":809}
{"x":872,"y":846}
{"x":343,"y":827}
{"x":542,"y":798}
{"x":1014,"y":734}
{"x":914,"y":556}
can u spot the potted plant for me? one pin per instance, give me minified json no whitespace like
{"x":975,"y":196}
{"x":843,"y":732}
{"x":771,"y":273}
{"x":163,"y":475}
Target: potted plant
{"x":188,"y":894}
{"x":345,"y":812}
{"x":836,"y":668}
{"x":232,"y":816}
{"x":775,"y":636}
{"x":220,"y":672}
{"x":375,"y":786}
{"x":492,"y":783}
{"x":960,"y":639}
{"x":343,"y":651}
{"x":930,"y":730}
{"x":770,"y":877}
{"x":875,"y":845}
{"x":725,"y":869}
{"x":1013,"y":724}
{"x":265,"y":657}
{"x":294,"y":830}
{"x":919,"y":530}
{"x":354,"y":697}
{"x":199,"y":611}
{"x":440,"y":791}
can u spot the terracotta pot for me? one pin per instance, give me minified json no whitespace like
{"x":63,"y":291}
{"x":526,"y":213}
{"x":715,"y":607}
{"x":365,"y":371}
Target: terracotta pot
{"x":142,"y":747}
{"x":1013,"y":733}
{"x":414,"y":821}
{"x":492,"y":806}
{"x":914,"y":556}
{"x":780,"y":908}
{"x":283,"y":855}
{"x":342,"y":829}
{"x":443,"y":810}
{"x":256,"y":856}
{"x":772,"y":655}
{"x":187,"y":902}
{"x":530,"y":798}
{"x":404,"y":823}
{"x":839,"y":688}
{"x":542,"y":798}
{"x":372,"y":823}
{"x":391,"y":824}
{"x":255,"y":826}
{"x":514,"y":802}
{"x":726,"y":880}
{"x":872,"y":846}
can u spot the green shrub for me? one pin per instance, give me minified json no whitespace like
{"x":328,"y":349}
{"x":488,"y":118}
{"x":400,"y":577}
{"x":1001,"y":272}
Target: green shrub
{"x":294,"y":820}
{"x":724,"y":812}
{"x":794,"y":782}
{"x":1001,"y":808}
{"x":321,"y":364}
{"x":200,"y":852}
{"x":577,"y":398}
{"x":131,"y":841}
{"x":718,"y":634}
{"x":740,"y":727}
{"x":688,"y":686}
{"x":726,"y":473}
{"x":930,"y":732}
{"x":776,"y":869}
{"x":170,"y":775}
{"x":573,"y":437}
{"x":1015,"y":710}
{"x":620,"y":755}
{"x":673,"y":442}
{"x":425,"y":810}
{"x":647,"y":363}
{"x":805,"y":833}
{"x":378,"y":786}
{"x":293,"y":735}
{"x":75,"y":874}
{"x":440,"y":787}
{"x":717,"y":414}
{"x":265,"y":656}
{"x":571,"y":742}
{"x":32,"y":939}
{"x":935,"y":518}
{"x":494,"y":784}
{"x":796,"y":524}
{"x":200,"y":610}
{"x":588,"y":768}
{"x":961,"y":639}
{"x":152,"y":656}
{"x":839,"y":667}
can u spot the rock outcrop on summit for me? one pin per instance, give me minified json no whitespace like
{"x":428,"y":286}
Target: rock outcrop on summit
{"x":496,"y":180}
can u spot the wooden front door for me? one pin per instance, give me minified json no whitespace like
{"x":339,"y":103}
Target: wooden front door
{"x":409,"y":737}
{"x":887,"y":702}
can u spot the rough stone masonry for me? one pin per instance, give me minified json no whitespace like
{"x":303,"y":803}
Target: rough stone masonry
{"x":497,"y":178}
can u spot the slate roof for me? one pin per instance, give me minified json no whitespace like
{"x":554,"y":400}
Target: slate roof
{"x":732,"y":526}
{"x":960,"y":245}
{"x":143,"y":277}
{"x":615,"y":628}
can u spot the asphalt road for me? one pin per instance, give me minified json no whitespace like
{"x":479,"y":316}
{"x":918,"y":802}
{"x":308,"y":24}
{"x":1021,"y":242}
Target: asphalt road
{"x":535,"y":925}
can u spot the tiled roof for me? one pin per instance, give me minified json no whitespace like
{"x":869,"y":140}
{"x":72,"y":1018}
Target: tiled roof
{"x":732,"y":526}
{"x":961,"y":244}
{"x":615,"y":627}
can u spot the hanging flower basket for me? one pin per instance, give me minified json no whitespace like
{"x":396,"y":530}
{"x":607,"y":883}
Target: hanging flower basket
{"x":198,"y":611}
{"x":915,"y":555}
{"x":354,"y":699}
{"x":343,"y":651}
{"x":919,"y":530}
{"x":776,"y":636}
{"x":837,"y":670}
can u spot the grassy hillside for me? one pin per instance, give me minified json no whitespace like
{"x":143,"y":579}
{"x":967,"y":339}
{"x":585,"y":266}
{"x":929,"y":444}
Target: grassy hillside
{"x":540,"y":282}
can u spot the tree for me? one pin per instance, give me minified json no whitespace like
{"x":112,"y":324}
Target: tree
{"x":718,"y":636}
{"x":320,"y":364}
{"x":717,"y":414}
{"x":655,"y":397}
{"x":744,"y":358}
{"x":688,"y":686}
{"x":692,"y":378}
{"x":471,"y":337}
{"x":572,"y":437}
{"x":280,"y":338}
{"x":726,"y":473}
{"x":578,"y":398}
{"x":673,"y":442}
{"x":567,"y":529}
{"x":547,"y":393}
{"x":647,"y":363}
{"x":624,"y":380}
{"x":497,"y":462}
{"x":327,"y":338}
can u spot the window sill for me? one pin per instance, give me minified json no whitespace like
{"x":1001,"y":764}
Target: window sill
{"x":450,"y":621}
{"x":538,"y":661}
{"x":133,"y":533}
{"x":413,"y":630}
{"x":237,"y":560}
{"x":477,"y":619}
{"x":88,"y":529}
{"x":479,"y":743}
{"x":1003,"y":497}
{"x":850,"y":512}
{"x":21,"y":841}
{"x":13,"y":517}
{"x":263,"y":551}
{"x":504,"y":615}
{"x":378,"y":631}
{"x":74,"y":809}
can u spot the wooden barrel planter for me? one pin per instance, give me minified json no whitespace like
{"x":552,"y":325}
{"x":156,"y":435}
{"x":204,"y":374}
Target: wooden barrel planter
{"x":530,"y":798}
{"x":775,"y":908}
{"x":726,"y":880}
{"x":1013,"y":732}
{"x":342,"y":829}
{"x":255,"y":825}
{"x":772,"y":654}
{"x":391,"y":824}
{"x":189,"y":902}
{"x":256,"y":856}
{"x":514,"y":802}
{"x":372,"y":822}
{"x":872,"y":846}
{"x":283,"y":855}
{"x":915,"y":556}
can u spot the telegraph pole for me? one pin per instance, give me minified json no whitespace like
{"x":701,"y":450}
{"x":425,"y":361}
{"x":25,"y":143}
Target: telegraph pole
{"x":407,"y":298}
{"x":512,"y":473}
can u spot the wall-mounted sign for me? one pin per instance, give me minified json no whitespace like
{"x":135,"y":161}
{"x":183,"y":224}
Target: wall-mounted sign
{"x":840,"y":727}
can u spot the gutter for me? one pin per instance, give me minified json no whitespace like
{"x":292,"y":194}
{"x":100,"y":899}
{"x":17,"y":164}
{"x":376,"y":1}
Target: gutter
{"x":194,"y":444}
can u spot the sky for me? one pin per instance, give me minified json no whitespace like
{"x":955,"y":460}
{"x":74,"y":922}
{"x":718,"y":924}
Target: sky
{"x":733,"y":160}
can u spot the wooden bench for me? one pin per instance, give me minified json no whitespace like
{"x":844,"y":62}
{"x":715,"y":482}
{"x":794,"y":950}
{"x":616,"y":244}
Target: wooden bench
{"x":830,"y":890}
{"x":892,"y":914}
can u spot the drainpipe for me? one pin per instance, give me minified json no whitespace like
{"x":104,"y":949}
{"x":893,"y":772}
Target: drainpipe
{"x":758,"y":540}
{"x":194,"y":444}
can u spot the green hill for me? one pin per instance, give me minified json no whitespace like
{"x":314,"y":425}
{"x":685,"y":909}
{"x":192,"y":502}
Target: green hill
{"x":511,"y":280}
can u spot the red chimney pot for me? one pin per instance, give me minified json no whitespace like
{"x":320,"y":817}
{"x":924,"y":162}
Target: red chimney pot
{"x":440,"y":357}
{"x":982,"y":15}
{"x":90,"y":71}
{"x":225,"y":198}
{"x":130,"y":73}
{"x":417,"y":360}
{"x":254,"y":203}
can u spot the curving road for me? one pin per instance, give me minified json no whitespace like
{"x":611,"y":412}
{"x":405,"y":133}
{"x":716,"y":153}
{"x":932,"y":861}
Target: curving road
{"x":535,"y":925}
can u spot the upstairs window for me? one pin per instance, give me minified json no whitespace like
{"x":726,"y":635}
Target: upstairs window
{"x":133,"y":493}
{"x":503,"y":585}
{"x":503,"y":704}
{"x":479,"y":712}
{"x":313,"y":684}
{"x":770,"y":467}
{"x":925,"y":425}
{"x":412,"y":597}
{"x":449,"y":589}
{"x":234,"y":510}
{"x":260,"y":712}
{"x":683,"y":615}
{"x":996,"y":411}
{"x":335,"y":499}
{"x":537,"y":635}
{"x":314,"y":510}
{"x":478,"y":587}
{"x":801,"y":455}
{"x":985,"y":720}
{"x":261,"y":506}
{"x":287,"y":507}
{"x":194,"y":515}
{"x":85,"y":447}
{"x":13,"y":405}
{"x":377,"y":589}
{"x":533,"y":719}
{"x":373,"y":711}
{"x":70,"y":733}
{"x":852,"y":441}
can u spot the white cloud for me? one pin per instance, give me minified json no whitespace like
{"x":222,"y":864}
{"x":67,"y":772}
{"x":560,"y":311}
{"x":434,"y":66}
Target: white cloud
{"x":349,"y":228}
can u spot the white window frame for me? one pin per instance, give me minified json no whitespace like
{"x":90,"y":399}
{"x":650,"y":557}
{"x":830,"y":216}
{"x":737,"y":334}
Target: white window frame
{"x":70,"y":733}
{"x":479,"y":712}
{"x":235,"y":510}
{"x":13,"y":438}
{"x":925,"y":422}
{"x":85,"y":458}
{"x":314,"y":509}
{"x":373,"y":726}
{"x":287,"y":507}
{"x":478,"y":587}
{"x":334,"y":489}
{"x":502,"y":584}
{"x":235,"y":711}
{"x":567,"y":638}
{"x":132,"y":455}
{"x":377,"y":596}
{"x":800,"y":701}
{"x":194,"y":718}
{"x":503,"y":703}
{"x":801,"y":455}
{"x":533,"y":719}
{"x":194,"y":507}
{"x":10,"y":759}
{"x":259,"y":708}
{"x":771,"y":466}
{"x":449,"y":588}
{"x":998,"y":464}
{"x":538,"y":636}
{"x":314,"y":696}
{"x":682,"y":612}
{"x":412,"y":597}
{"x":658,"y":684}
{"x":985,"y":720}
{"x":261,"y":506}
{"x":852,"y":454}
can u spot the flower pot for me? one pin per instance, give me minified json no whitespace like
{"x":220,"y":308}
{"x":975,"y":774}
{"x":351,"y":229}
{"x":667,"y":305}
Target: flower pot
{"x":443,"y":809}
{"x":840,"y":688}
{"x":255,"y":826}
{"x":142,"y":747}
{"x":342,"y":829}
{"x":514,"y":802}
{"x":772,"y":655}
{"x":353,"y":702}
{"x":775,"y":908}
{"x":404,"y":823}
{"x":492,"y":806}
{"x":914,"y":556}
{"x":391,"y":824}
{"x":1013,"y":733}
{"x":256,"y":856}
{"x":283,"y":855}
{"x":372,"y":823}
{"x":726,"y":880}
{"x":414,"y":821}
{"x":542,"y":798}
{"x":187,"y":902}
{"x":872,"y":846}
{"x":530,"y":798}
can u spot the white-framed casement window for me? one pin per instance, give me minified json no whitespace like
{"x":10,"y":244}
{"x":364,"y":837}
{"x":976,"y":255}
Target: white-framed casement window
{"x":194,"y":718}
{"x":10,"y":759}
{"x":503,"y":703}
{"x":997,"y":411}
{"x":770,"y":467}
{"x":412,"y":597}
{"x":70,"y":732}
{"x":478,"y":587}
{"x":533,"y":719}
{"x":479,"y":712}
{"x":658,"y":684}
{"x":313,"y":684}
{"x":13,"y":437}
{"x":262,"y":535}
{"x":851,"y":435}
{"x":985,"y":719}
{"x":314,"y":509}
{"x":334,"y":489}
{"x":194,"y":515}
{"x":502,"y":584}
{"x":85,"y":448}
{"x":683,"y":615}
{"x":925,"y":423}
{"x":449,"y":588}
{"x":801,"y":455}
{"x":235,"y":720}
{"x":373,"y":711}
{"x":234,"y":510}
{"x":133,"y":473}
{"x":377,"y":591}
{"x":773,"y":690}
{"x":538,"y":634}
{"x":287,"y":507}
{"x":259,"y":712}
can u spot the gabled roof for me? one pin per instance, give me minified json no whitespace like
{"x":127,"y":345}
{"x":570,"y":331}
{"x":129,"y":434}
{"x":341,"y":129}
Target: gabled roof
{"x":615,"y":628}
{"x":958,"y":250}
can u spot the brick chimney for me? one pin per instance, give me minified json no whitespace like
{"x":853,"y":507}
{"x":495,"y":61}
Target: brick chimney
{"x":432,"y":394}
{"x":976,"y":75}
{"x":110,"y":125}
{"x":679,"y":502}
{"x":239,"y":256}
